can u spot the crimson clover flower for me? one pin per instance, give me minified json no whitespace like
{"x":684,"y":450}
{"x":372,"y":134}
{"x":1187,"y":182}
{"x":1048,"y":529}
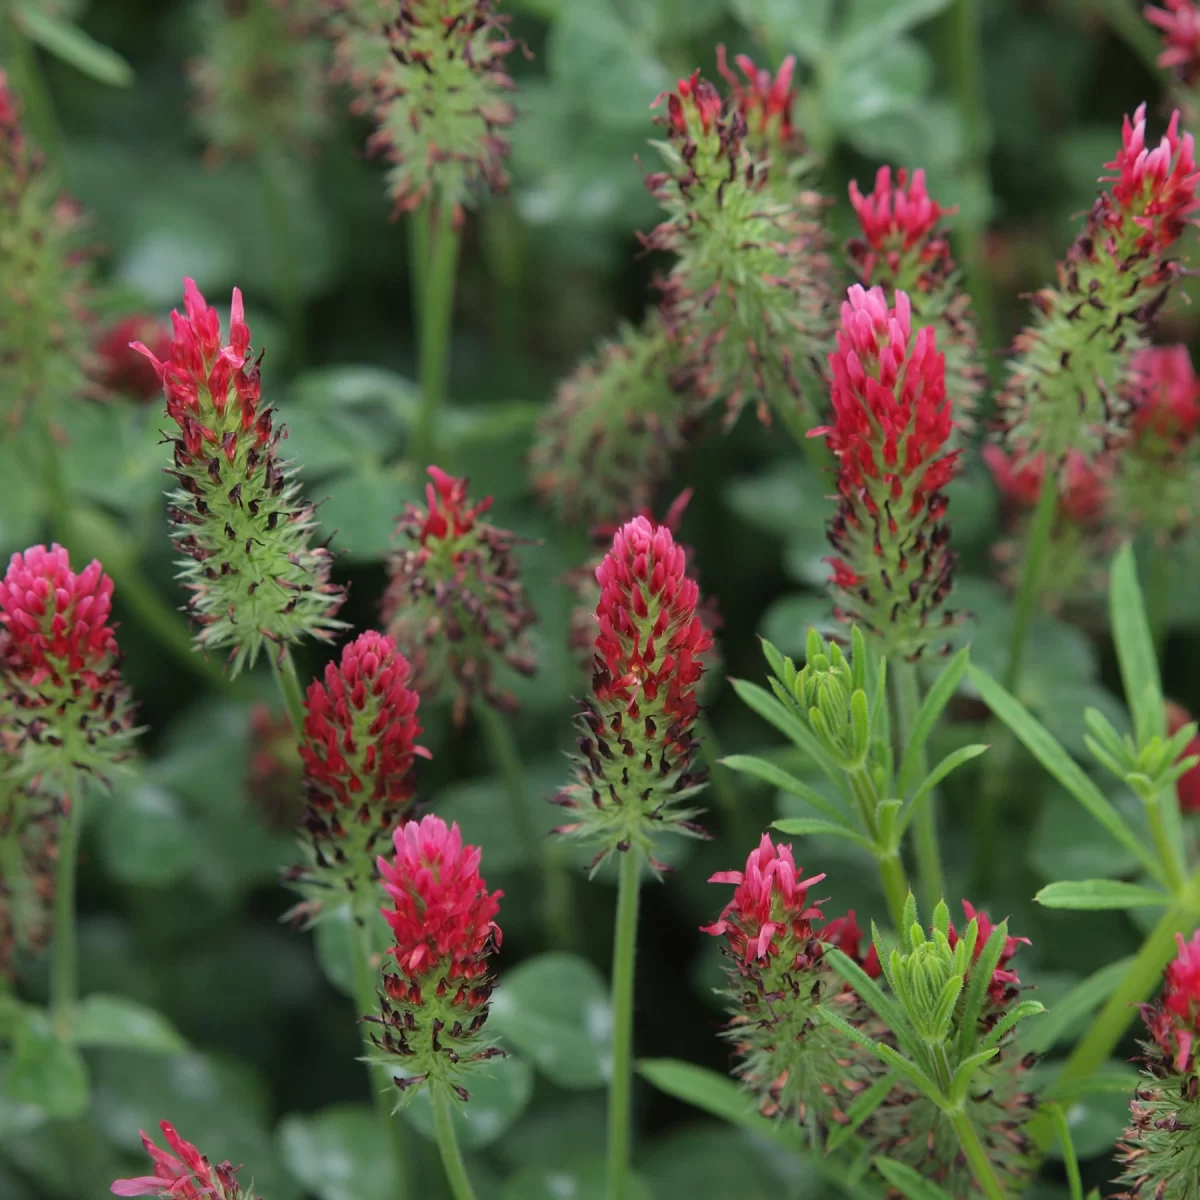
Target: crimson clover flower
{"x":60,"y":669}
{"x":436,"y":984}
{"x":432,"y":74}
{"x":1066,"y":384}
{"x":1002,"y":989}
{"x":121,"y":369}
{"x":44,"y":300}
{"x":255,"y":579}
{"x":903,"y":247}
{"x":185,"y":1175}
{"x":455,"y":604}
{"x":357,"y":750}
{"x":891,"y":425}
{"x":765,"y":102}
{"x":1179,"y":21}
{"x":746,"y":303}
{"x":1158,"y":1150}
{"x":1158,"y":464}
{"x":633,"y":772}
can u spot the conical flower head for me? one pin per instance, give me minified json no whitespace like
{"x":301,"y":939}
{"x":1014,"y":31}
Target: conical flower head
{"x":610,"y":435}
{"x":1159,"y":1151}
{"x":436,"y":984}
{"x":1066,"y":380}
{"x":59,"y":666}
{"x":747,"y":301}
{"x":44,"y":313}
{"x":1158,"y":464}
{"x":185,"y":1175}
{"x":358,"y":746}
{"x":892,"y":422}
{"x":456,"y":605}
{"x":765,"y":102}
{"x":633,"y":773}
{"x":1179,"y":21}
{"x":796,"y":1065}
{"x":432,"y":73}
{"x":903,"y":247}
{"x":255,"y":579}
{"x":260,"y":77}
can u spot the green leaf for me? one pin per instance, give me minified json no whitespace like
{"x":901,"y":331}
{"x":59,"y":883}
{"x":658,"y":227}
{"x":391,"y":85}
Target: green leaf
{"x":103,"y":1020}
{"x":1081,"y":1000}
{"x":339,"y":1153}
{"x":500,"y":1092}
{"x":939,"y":695}
{"x":46,"y":1070}
{"x":1067,"y":1146}
{"x":772,"y":710}
{"x":909,"y":1182}
{"x":1095,"y":1123}
{"x":1056,"y":760}
{"x":1100,"y":894}
{"x":1113,"y":1079}
{"x":1135,"y":647}
{"x":873,"y":24}
{"x":145,"y":836}
{"x":813,"y":826}
{"x":949,"y":764}
{"x":554,"y":1009}
{"x":799,"y":25}
{"x":785,"y":781}
{"x":73,"y":46}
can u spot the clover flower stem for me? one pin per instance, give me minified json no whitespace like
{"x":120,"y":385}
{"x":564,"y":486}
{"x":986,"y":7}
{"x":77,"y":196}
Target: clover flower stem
{"x":556,"y":884}
{"x":907,"y":698}
{"x":891,"y":869}
{"x":283,"y":668}
{"x":437,"y":310}
{"x":1037,"y":542}
{"x":1137,"y":985}
{"x":56,"y":489}
{"x":366,"y":1001}
{"x":741,"y":830}
{"x":620,"y":1088}
{"x":981,"y":1166}
{"x":64,"y":978}
{"x":1158,"y":595}
{"x":1162,"y":813}
{"x":1070,"y":1160}
{"x":418,"y":261}
{"x":447,"y":1140}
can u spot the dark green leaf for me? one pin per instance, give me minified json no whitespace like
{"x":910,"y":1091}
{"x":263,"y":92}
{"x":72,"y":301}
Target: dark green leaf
{"x":102,"y":1020}
{"x":46,"y":1071}
{"x":807,"y":826}
{"x":940,"y":693}
{"x":871,"y":25}
{"x":1071,"y":1009}
{"x":1135,"y":647}
{"x":145,"y":836}
{"x":1100,"y":894}
{"x":73,"y":46}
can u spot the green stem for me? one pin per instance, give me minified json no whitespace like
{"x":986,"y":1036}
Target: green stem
{"x":620,"y":1088}
{"x":437,"y":310}
{"x":1170,"y":852}
{"x":981,"y":1165}
{"x":556,"y":881}
{"x":1036,"y":544}
{"x":64,"y":980}
{"x":366,"y":1001}
{"x":1070,"y":1159}
{"x":1158,"y":598}
{"x":418,"y":261}
{"x":56,"y":490}
{"x":284,"y":669}
{"x":733,"y":811}
{"x":891,"y":869}
{"x":452,"y":1160}
{"x":907,"y":696}
{"x":895,"y":887}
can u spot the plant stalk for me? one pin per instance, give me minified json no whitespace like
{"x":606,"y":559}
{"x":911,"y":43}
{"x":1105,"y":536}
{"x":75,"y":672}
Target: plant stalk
{"x":891,"y":869}
{"x":283,"y":667}
{"x":366,"y":1001}
{"x":907,"y":697}
{"x":452,"y":1159}
{"x":981,"y":1165}
{"x":437,"y":310}
{"x":64,"y":980}
{"x":1036,"y":545}
{"x":1170,"y":852}
{"x":620,"y":1089}
{"x":1158,"y":599}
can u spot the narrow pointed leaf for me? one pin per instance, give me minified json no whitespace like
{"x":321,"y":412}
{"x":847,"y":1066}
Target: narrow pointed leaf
{"x":1100,"y":894}
{"x":938,"y":696}
{"x":805,"y":826}
{"x":1135,"y":647}
{"x":950,"y":763}
{"x":69,"y":43}
{"x":785,"y":781}
{"x":908,"y":1182}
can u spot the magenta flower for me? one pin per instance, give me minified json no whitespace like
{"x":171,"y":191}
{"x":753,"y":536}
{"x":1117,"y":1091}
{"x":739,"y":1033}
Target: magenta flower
{"x":184,"y":1175}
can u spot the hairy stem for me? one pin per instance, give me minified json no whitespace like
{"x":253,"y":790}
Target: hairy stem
{"x":64,"y":980}
{"x":437,"y":310}
{"x":447,"y":1140}
{"x":620,"y":1088}
{"x":891,"y":869}
{"x":907,"y":698}
{"x":981,"y":1165}
{"x":284,"y":669}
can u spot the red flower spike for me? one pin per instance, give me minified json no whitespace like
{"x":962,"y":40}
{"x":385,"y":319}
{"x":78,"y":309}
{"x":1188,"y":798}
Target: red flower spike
{"x":1166,"y":394}
{"x":844,"y":934}
{"x":891,"y":424}
{"x":1174,"y":1022}
{"x":455,"y":604}
{"x":436,"y":984}
{"x":693,"y":108}
{"x":770,"y":904}
{"x":1084,"y":490}
{"x":1004,"y":979}
{"x":897,"y":218}
{"x":765,"y":101}
{"x":1179,"y":21}
{"x":122,"y":369}
{"x":184,"y":1175}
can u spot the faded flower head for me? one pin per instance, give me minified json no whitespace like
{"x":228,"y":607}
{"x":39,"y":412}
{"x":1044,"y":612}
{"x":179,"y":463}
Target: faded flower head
{"x":255,"y":579}
{"x":260,"y":77}
{"x":610,"y":435}
{"x":903,"y":247}
{"x":455,"y":605}
{"x":1179,"y":21}
{"x":633,"y":772}
{"x":185,"y":1175}
{"x":44,"y":313}
{"x":124,"y":371}
{"x":59,"y":669}
{"x":437,"y":982}
{"x":747,"y":303}
{"x":891,"y":424}
{"x":357,"y":748}
{"x":1066,"y":387}
{"x":432,"y":74}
